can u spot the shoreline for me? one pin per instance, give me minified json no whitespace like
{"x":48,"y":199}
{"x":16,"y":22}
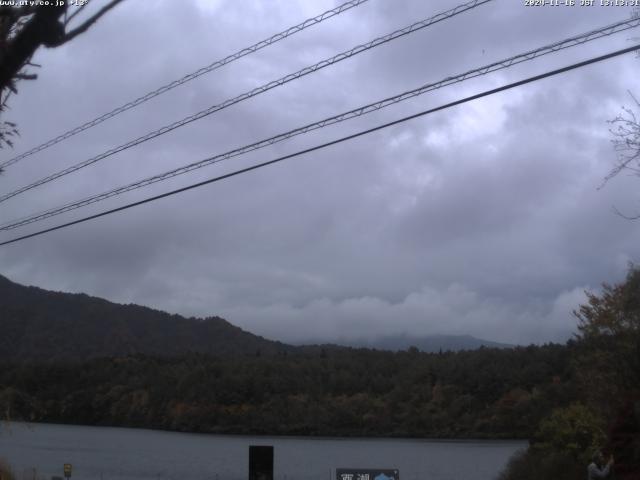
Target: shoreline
{"x":371,"y":438}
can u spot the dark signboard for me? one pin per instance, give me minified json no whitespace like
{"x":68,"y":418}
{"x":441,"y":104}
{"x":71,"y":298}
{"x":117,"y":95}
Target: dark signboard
{"x":260,"y":462}
{"x":366,"y":474}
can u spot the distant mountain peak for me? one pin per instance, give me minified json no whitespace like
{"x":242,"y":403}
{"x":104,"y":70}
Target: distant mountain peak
{"x":426,"y":343}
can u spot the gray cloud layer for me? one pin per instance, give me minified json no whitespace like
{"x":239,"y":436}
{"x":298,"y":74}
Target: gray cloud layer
{"x":482,"y":219}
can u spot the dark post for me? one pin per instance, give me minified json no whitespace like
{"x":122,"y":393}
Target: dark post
{"x":260,"y":462}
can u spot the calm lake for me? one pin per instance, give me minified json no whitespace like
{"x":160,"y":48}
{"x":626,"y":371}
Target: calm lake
{"x":126,"y":454}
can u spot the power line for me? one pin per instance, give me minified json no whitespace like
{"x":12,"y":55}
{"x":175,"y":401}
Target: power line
{"x":187,"y":78}
{"x":372,"y":107}
{"x":333,"y":142}
{"x":256,"y":91}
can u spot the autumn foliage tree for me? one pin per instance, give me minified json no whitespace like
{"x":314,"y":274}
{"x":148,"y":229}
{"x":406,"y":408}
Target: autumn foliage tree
{"x":608,"y":359}
{"x":605,"y":413}
{"x":608,"y":365}
{"x":575,"y":431}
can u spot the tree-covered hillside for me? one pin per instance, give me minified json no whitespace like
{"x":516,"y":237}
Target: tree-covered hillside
{"x":488,"y":393}
{"x":37,"y":324}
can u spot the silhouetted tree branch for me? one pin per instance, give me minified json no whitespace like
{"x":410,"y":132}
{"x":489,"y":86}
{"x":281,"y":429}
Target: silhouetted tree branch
{"x":89,"y":22}
{"x":24,"y":29}
{"x":625,"y":129}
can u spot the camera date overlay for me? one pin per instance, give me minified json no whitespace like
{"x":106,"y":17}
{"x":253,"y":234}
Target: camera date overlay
{"x":582,"y":3}
{"x":45,"y":3}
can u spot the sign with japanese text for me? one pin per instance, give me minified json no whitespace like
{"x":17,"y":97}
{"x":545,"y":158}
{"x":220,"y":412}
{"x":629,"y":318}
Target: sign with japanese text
{"x":366,"y":474}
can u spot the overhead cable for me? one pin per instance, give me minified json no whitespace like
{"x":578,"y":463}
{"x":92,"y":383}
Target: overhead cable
{"x":372,"y":107}
{"x":333,"y":142}
{"x":187,"y":78}
{"x":252,"y":93}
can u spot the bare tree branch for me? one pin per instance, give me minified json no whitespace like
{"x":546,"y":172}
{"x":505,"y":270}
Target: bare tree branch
{"x":26,"y":76}
{"x":23,"y":30}
{"x":626,"y":141}
{"x":77,"y":11}
{"x":626,"y":217}
{"x":90,"y":21}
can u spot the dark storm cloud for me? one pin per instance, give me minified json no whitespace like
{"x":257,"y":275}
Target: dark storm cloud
{"x":482,"y":219}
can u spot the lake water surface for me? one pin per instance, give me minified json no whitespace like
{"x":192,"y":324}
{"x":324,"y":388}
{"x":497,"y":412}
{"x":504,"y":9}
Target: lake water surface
{"x":127,"y":454}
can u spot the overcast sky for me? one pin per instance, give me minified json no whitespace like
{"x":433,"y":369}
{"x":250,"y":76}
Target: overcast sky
{"x":483,"y":219}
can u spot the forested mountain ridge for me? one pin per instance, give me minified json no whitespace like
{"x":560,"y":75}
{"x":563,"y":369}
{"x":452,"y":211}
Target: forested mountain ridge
{"x":37,"y":324}
{"x":90,"y":361}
